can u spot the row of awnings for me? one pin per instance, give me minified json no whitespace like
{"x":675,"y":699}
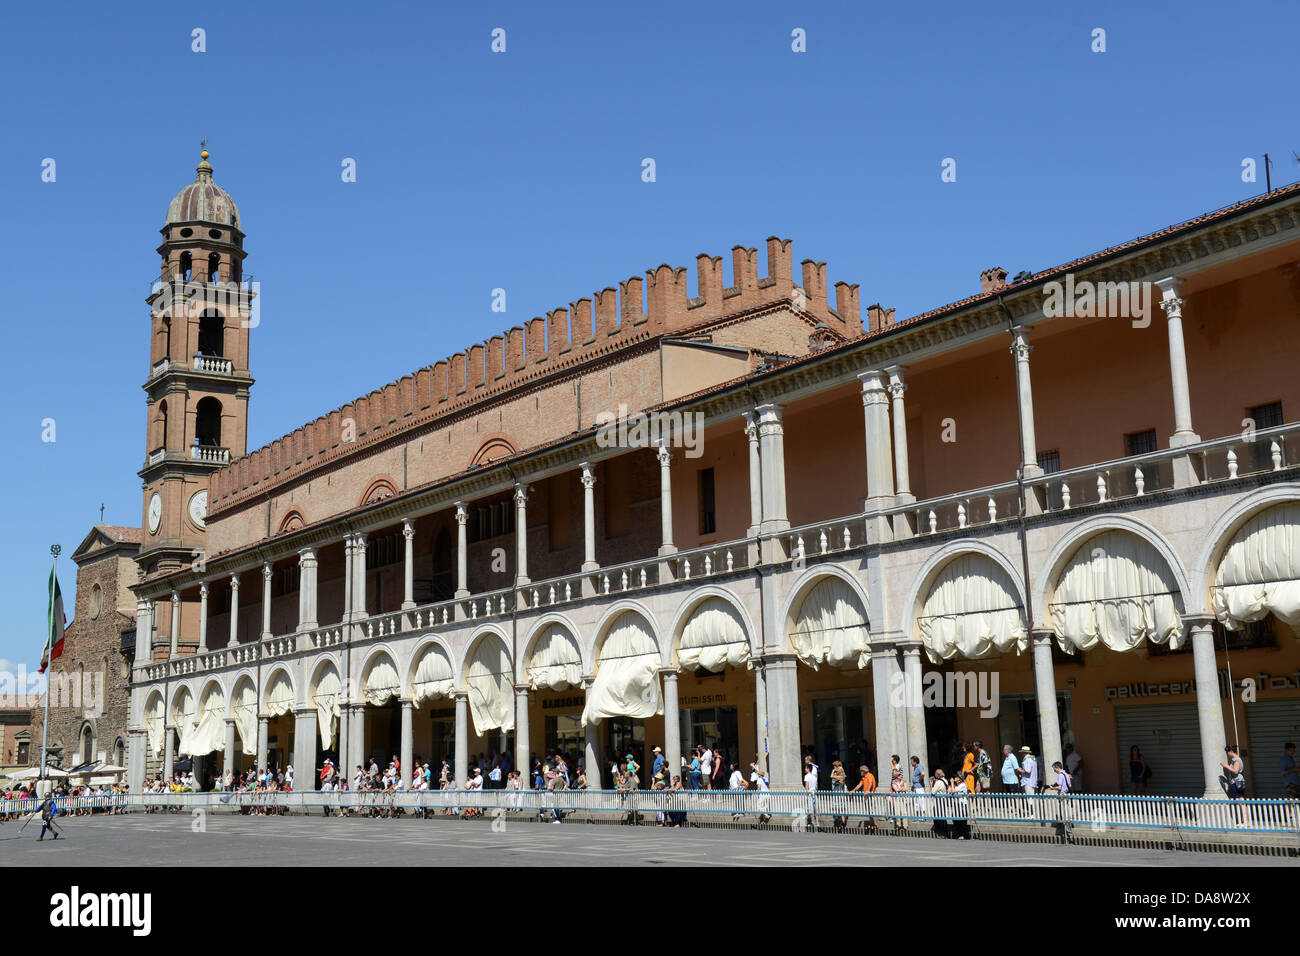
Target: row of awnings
{"x":1116,"y":591}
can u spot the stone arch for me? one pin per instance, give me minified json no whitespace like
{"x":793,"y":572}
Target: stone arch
{"x":494,"y":447}
{"x":934,"y":565}
{"x":325,"y":695}
{"x":293,"y":520}
{"x":380,"y":488}
{"x":1070,"y":542}
{"x":436,"y":645}
{"x":382,"y":691}
{"x":176,"y":691}
{"x":693,"y":603}
{"x":542,"y":627}
{"x":948,"y":639}
{"x":273,"y":685}
{"x":488,"y":679}
{"x":1221,"y":533}
{"x":607,"y":620}
{"x":856,"y":605}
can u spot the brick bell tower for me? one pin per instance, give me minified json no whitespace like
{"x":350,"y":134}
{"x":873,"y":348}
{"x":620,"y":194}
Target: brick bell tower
{"x":201,"y":311}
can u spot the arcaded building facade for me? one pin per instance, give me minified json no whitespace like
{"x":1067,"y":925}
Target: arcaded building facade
{"x":1082,"y":526}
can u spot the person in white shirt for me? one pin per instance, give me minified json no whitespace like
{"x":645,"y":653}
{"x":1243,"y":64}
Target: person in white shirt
{"x":1074,"y":767}
{"x":706,"y":768}
{"x":759,"y":780}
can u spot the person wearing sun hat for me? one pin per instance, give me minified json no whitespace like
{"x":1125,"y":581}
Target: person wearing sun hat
{"x":658,"y":764}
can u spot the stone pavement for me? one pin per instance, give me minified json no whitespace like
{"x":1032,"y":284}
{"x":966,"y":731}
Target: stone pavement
{"x":163,"y":839}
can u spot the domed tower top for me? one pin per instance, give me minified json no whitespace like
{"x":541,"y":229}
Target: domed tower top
{"x":204,"y":201}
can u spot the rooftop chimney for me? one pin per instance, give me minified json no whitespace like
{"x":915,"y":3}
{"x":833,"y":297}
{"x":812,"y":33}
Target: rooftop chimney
{"x":992,"y":280}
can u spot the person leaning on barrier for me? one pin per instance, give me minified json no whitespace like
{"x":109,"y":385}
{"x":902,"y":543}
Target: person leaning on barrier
{"x":939,"y":789}
{"x":1290,"y":772}
{"x":866,"y":785}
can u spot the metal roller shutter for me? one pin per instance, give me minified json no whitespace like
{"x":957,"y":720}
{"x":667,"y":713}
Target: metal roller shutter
{"x":1170,"y":740}
{"x":1270,"y":724}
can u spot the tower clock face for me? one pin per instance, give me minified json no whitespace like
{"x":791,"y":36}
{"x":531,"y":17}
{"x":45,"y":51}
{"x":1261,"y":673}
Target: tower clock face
{"x":199,"y":508}
{"x":155,"y":512}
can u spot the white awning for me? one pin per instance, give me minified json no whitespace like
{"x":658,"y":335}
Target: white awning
{"x":713,"y":638}
{"x":279,"y":695}
{"x":490,"y":681}
{"x":243,"y":708}
{"x":433,"y":677}
{"x":382,"y":683}
{"x":1260,"y":572}
{"x":183,"y":721}
{"x":627,"y":673}
{"x":1118,"y":591}
{"x":556,"y":662}
{"x":326,"y":699}
{"x":209,"y":733}
{"x":972,"y":611}
{"x":154,"y":725}
{"x":831,"y":627}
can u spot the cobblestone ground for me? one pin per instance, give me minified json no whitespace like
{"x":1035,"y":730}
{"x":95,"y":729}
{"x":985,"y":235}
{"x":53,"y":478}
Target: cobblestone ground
{"x":227,"y":840}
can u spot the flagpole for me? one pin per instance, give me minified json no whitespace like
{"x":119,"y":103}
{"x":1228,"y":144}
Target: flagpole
{"x":45,"y":724}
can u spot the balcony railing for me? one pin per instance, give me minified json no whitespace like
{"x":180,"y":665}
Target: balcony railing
{"x":1216,"y":461}
{"x":212,"y":363}
{"x":210,"y":453}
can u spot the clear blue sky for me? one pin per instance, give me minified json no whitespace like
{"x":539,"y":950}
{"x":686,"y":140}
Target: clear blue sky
{"x":522,"y":171}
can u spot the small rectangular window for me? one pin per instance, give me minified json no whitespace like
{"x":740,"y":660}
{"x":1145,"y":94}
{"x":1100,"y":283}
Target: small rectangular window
{"x":1266,"y":416}
{"x":1050,"y":461}
{"x":1141,"y":443}
{"x":708,"y":514}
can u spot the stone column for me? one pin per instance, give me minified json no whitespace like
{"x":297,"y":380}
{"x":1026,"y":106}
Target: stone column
{"x":263,"y":740}
{"x":304,"y":749}
{"x":771,"y":439}
{"x":348,"y":554}
{"x":136,"y":758}
{"x":760,"y":715}
{"x":882,"y":693}
{"x":228,"y":758}
{"x":408,"y":592}
{"x":462,"y":738}
{"x":1049,"y":723}
{"x":462,"y":552}
{"x":1172,"y":304}
{"x":176,"y":622}
{"x":234,"y":609}
{"x":521,"y":534}
{"x":523,"y":748}
{"x":902,"y":481}
{"x":875,"y":416}
{"x":169,"y":747}
{"x":591,"y":744}
{"x":589,"y":518}
{"x":359,"y":577}
{"x":755,"y":474}
{"x":666,"y":499}
{"x":266,"y":600}
{"x":1209,"y":706}
{"x":672,"y":723}
{"x":917,"y":742}
{"x":143,"y":630}
{"x":784,"y":739}
{"x":1020,"y":348}
{"x":307,"y":597}
{"x":407,"y":752}
{"x":357,"y":733}
{"x":203,"y":617}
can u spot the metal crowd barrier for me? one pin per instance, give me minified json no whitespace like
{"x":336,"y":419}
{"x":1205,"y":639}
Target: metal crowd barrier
{"x":1096,"y":813}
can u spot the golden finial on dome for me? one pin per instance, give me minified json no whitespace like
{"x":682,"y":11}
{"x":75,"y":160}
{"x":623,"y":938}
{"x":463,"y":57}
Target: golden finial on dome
{"x":204,"y":144}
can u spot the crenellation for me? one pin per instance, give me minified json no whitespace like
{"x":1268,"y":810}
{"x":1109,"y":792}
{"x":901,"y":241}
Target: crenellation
{"x":632,"y":302}
{"x":557,"y":325}
{"x":652,"y":304}
{"x":606,"y":308}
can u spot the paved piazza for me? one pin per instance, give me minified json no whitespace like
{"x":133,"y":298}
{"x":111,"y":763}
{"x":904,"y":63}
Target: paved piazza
{"x":162,"y":839}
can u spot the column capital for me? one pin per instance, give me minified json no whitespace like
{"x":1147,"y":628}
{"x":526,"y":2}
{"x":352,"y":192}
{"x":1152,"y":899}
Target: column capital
{"x":306,"y":555}
{"x":873,"y":388}
{"x":1042,"y":635}
{"x":234,"y":581}
{"x":1170,"y":287}
{"x":460,"y":695}
{"x":266,"y":572}
{"x":461,"y":514}
{"x":521,"y":492}
{"x":664,"y":454}
{"x":176,"y":598}
{"x":668,"y":672}
{"x":1198,"y":621}
{"x":408,"y":528}
{"x":1020,"y":346}
{"x":522,"y":689}
{"x":203,"y":589}
{"x":588,"y":475}
{"x":751,"y":425}
{"x":407,"y":703}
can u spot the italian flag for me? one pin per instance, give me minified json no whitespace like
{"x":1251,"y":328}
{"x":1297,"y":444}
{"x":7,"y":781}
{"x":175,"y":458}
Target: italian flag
{"x":56,"y":619}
